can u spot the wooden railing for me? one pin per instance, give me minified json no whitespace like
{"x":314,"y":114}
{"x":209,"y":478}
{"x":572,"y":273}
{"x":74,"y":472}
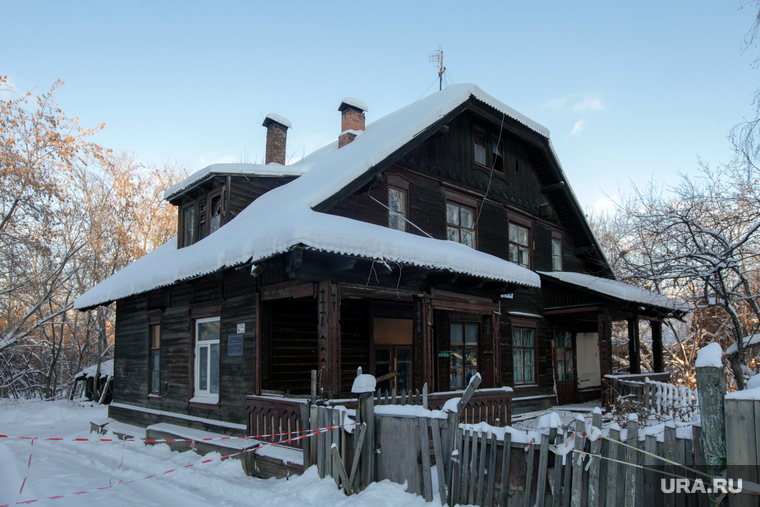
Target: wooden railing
{"x":654,"y":393}
{"x":493,"y":406}
{"x":268,"y":415}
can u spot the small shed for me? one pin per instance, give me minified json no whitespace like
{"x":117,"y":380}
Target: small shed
{"x":103,"y":392}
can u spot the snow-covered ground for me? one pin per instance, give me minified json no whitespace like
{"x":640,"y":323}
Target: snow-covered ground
{"x":67,"y":467}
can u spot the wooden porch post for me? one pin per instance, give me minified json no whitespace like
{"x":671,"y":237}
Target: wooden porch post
{"x":634,"y":346}
{"x":423,"y":345}
{"x":657,"y":362}
{"x":604,"y":330}
{"x":328,"y":306}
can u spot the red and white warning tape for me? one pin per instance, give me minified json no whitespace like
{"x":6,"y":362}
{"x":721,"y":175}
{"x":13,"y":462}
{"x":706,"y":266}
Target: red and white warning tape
{"x":309,"y":433}
{"x":164,"y":440}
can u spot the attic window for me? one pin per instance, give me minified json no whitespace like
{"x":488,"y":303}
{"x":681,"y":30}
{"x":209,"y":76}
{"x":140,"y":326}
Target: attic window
{"x":460,"y":224}
{"x":397,"y":202}
{"x":498,"y":155}
{"x":479,"y":145}
{"x":201,"y":217}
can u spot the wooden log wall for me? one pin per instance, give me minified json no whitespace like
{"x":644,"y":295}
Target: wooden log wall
{"x":234,"y":292}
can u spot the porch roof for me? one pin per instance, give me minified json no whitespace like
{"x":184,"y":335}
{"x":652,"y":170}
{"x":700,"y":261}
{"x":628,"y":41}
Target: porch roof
{"x":618,"y":291}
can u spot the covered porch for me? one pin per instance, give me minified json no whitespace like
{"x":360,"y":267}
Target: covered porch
{"x":582,"y":309}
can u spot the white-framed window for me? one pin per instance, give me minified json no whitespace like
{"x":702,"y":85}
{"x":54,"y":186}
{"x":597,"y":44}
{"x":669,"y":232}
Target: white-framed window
{"x":556,"y":254}
{"x":207,"y":360}
{"x":397,"y":209}
{"x":460,"y":224}
{"x":519,"y":244}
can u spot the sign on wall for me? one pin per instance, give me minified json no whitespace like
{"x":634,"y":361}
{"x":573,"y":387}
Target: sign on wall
{"x":235,"y":345}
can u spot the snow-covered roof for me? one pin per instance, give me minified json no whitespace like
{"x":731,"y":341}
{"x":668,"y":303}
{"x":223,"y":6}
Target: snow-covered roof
{"x":619,"y":290}
{"x":283,"y":217}
{"x":250,"y":170}
{"x":106,"y":370}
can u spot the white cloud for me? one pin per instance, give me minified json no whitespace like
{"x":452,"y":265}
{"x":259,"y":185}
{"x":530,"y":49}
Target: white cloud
{"x":588,"y":103}
{"x":578,"y":128}
{"x":575,"y":103}
{"x":556,"y":104}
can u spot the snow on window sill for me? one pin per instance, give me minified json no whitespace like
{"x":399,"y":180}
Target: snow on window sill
{"x":204,"y":400}
{"x":154,"y":396}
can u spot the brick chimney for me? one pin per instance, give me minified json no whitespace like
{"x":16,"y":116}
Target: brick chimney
{"x":352,"y":120}
{"x":277,"y":134}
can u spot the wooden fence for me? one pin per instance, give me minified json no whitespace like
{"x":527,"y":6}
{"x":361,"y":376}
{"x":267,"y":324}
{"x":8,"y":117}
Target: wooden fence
{"x":610,"y":473}
{"x":660,"y":398}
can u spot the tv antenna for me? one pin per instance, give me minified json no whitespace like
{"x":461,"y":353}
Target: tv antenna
{"x":437,"y":57}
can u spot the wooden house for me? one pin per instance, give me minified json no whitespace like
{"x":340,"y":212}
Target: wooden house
{"x":440,"y":240}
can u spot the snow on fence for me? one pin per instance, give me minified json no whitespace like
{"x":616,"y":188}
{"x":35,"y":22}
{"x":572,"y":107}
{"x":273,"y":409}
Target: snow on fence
{"x":661,"y":398}
{"x":678,"y":402}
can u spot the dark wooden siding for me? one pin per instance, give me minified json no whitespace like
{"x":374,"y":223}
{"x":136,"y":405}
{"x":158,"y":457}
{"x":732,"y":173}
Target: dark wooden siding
{"x":243,"y":191}
{"x":354,"y":340}
{"x":237,"y":292}
{"x":292,"y":345}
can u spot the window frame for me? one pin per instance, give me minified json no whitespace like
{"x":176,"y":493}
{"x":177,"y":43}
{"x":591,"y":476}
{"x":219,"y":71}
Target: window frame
{"x":524,"y":224}
{"x":479,"y":133}
{"x":403,"y":213}
{"x":154,"y":364}
{"x":460,"y":206}
{"x":557,"y":239}
{"x":200,"y":395}
{"x":524,"y":326}
{"x":201,"y":207}
{"x":464,"y":322}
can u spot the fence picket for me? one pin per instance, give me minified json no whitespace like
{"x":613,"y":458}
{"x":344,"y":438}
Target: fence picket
{"x":557,"y":476}
{"x":593,"y":475}
{"x":612,"y":469}
{"x":438,"y":453}
{"x":543,"y":461}
{"x":489,"y":501}
{"x":631,"y":455}
{"x":506,"y":460}
{"x":529,"y":472}
{"x":482,"y":467}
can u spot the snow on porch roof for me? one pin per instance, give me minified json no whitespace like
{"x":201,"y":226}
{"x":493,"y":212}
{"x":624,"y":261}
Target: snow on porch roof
{"x":619,"y":290}
{"x":282,"y":218}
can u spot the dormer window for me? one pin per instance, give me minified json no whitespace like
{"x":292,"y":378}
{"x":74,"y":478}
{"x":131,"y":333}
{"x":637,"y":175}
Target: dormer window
{"x":479,"y":145}
{"x":201,"y":217}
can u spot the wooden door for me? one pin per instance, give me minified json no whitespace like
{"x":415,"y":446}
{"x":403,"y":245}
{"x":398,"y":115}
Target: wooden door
{"x":564,"y":367}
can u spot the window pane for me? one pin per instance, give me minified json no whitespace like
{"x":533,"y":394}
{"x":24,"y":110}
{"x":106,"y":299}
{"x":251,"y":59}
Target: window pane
{"x":397,"y":204}
{"x":471,"y":333}
{"x":456,"y":379}
{"x":468,"y":239}
{"x":156,"y":360}
{"x":215,"y":223}
{"x":523,"y":256}
{"x":518,"y":366}
{"x":523,"y":235}
{"x":513,"y":256}
{"x":203,"y":369}
{"x":560,"y":370}
{"x":468,"y":218}
{"x":517,"y":337}
{"x":528,"y":356}
{"x":456,"y":359}
{"x":155,"y":336}
{"x":216,"y":213}
{"x":569,"y":365}
{"x":456,"y":333}
{"x":529,"y":374}
{"x":155,"y":381}
{"x":452,"y":214}
{"x":453,"y":234}
{"x":382,"y":356}
{"x":472,"y":357}
{"x":479,"y":141}
{"x":208,"y":330}
{"x":188,"y":229}
{"x":527,"y":337}
{"x":214,"y":369}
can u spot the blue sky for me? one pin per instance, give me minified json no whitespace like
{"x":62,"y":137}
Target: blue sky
{"x":631,"y":92}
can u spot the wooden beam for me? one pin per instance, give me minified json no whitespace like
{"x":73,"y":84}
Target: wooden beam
{"x":634,"y":346}
{"x":657,"y":363}
{"x":328,"y":308}
{"x":290,"y":289}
